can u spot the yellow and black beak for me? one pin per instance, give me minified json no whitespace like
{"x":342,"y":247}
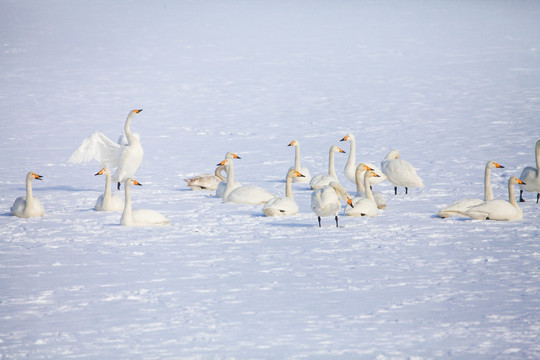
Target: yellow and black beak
{"x":138,"y":110}
{"x":135,"y":182}
{"x":100,"y":172}
{"x":499,"y":166}
{"x":349,"y":201}
{"x":345,"y":138}
{"x":38,"y":177}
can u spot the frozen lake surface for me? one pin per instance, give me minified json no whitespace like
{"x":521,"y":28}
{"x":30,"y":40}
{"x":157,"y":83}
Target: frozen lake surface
{"x":449,"y":84}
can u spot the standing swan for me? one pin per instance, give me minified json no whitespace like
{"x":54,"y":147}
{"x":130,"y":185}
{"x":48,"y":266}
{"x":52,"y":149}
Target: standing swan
{"x":400,"y":172}
{"x":280,"y":206}
{"x":250,"y":195}
{"x":364,"y":206}
{"x":28,"y":206}
{"x":306,"y":176}
{"x":325,"y":201}
{"x":460,"y":206}
{"x":125,"y":158}
{"x":325,"y":179}
{"x":351,"y":167}
{"x":531,"y":177}
{"x":141,"y":217}
{"x":107,"y":201}
{"x":499,"y":209}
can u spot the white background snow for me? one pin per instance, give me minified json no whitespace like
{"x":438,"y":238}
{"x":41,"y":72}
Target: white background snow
{"x":451,"y":84}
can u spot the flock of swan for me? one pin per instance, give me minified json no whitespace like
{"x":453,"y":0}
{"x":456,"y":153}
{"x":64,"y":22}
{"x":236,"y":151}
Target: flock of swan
{"x":125,"y":156}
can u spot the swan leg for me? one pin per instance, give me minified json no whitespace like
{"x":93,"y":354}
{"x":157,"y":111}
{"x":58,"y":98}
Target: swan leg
{"x":406,"y":190}
{"x":537,"y":197}
{"x":118,"y":185}
{"x":337,"y":221}
{"x":521,"y":199}
{"x":395,"y":190}
{"x":319,"y":218}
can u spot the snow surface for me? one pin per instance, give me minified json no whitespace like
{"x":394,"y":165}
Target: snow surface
{"x":451,"y":84}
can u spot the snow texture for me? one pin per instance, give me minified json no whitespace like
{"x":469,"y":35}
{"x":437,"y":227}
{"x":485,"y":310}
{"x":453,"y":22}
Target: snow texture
{"x":450,"y":84}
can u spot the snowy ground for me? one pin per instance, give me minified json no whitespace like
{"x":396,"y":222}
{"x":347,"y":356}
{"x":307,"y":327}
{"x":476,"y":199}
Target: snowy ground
{"x":450,"y":84}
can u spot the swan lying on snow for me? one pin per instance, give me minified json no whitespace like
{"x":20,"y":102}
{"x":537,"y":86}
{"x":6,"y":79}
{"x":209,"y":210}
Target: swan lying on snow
{"x":28,"y":206}
{"x":206,"y":181}
{"x":361,"y":170}
{"x":107,"y":201}
{"x":499,"y":209}
{"x":220,"y":191}
{"x":325,"y":179}
{"x":250,"y":195}
{"x":140,"y":217}
{"x":280,"y":206}
{"x":325,"y":200}
{"x":400,"y":172}
{"x":350,"y":166}
{"x":364,"y":206}
{"x":125,"y":158}
{"x":209,"y":181}
{"x":531,"y":177}
{"x":459,"y":207}
{"x":306,"y":176}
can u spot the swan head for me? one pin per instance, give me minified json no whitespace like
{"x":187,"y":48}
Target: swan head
{"x":136,"y":111}
{"x":33,"y":175}
{"x":294,"y":143}
{"x":394,"y":154}
{"x":371,"y":173}
{"x":362,"y":167}
{"x":492,"y":165}
{"x":104,"y":171}
{"x":349,"y":137}
{"x":294,"y":173}
{"x":231,"y":155}
{"x":131,"y":181}
{"x":335,"y":148}
{"x":515,"y":180}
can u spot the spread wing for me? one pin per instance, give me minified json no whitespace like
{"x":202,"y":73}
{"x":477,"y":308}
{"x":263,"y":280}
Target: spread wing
{"x":100,"y":148}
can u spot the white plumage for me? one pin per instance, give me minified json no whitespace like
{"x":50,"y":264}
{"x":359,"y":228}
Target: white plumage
{"x":364,"y":206}
{"x":107,"y":201}
{"x":140,"y":217}
{"x":281,"y":206}
{"x":531,"y":177}
{"x":459,"y":207}
{"x":325,"y":201}
{"x":28,"y":206}
{"x":251,"y":195}
{"x":126,"y":159}
{"x":325,"y":179}
{"x":499,"y":209}
{"x":400,"y":172}
{"x":306,"y":178}
{"x":350,"y":166}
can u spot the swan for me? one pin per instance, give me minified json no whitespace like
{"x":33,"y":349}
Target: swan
{"x":125,"y":158}
{"x":499,"y":209}
{"x":206,"y":181}
{"x":222,"y":186}
{"x":251,"y":195}
{"x":400,"y":172}
{"x":364,"y":206}
{"x":531,"y":177}
{"x":325,"y":200}
{"x":286,"y":205}
{"x":140,"y":217}
{"x":351,"y":167}
{"x":460,"y":206}
{"x":107,"y":201}
{"x":360,"y":172}
{"x":28,"y":206}
{"x":306,"y":176}
{"x":325,"y":179}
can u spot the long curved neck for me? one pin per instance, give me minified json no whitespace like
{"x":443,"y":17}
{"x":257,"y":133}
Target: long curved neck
{"x":352,"y":154}
{"x":488,"y":192}
{"x":107,"y":193}
{"x":230,"y":178}
{"x":538,"y":156}
{"x":340,"y":191}
{"x":126,"y":215}
{"x":29,"y":196}
{"x":127,"y":128}
{"x":218,"y":171}
{"x":359,"y":182}
{"x":369,"y":193}
{"x":297,"y":164}
{"x":512,"y":195}
{"x":288,"y":187}
{"x":331,"y":167}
